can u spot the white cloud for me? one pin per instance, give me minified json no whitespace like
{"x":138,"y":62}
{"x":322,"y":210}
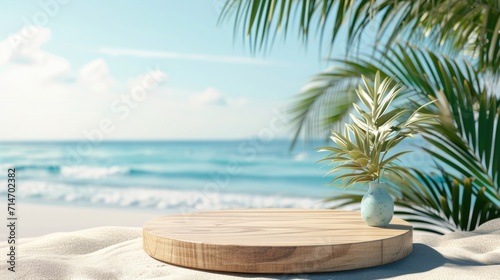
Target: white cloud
{"x":239,"y":101}
{"x":146,"y":80}
{"x":163,"y":119}
{"x":183,"y":56}
{"x":24,"y":46}
{"x":210,"y":96}
{"x":95,"y":76}
{"x":44,"y":98}
{"x":28,"y":60}
{"x":213,"y":97}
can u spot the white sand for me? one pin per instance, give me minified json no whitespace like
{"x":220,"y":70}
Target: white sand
{"x":40,"y":219}
{"x":115,"y":252}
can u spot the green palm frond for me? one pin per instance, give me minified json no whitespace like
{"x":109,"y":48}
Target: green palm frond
{"x":472,"y":27}
{"x":320,"y":106}
{"x":423,"y":73}
{"x":459,"y":203}
{"x":468,"y":139}
{"x":436,"y":204}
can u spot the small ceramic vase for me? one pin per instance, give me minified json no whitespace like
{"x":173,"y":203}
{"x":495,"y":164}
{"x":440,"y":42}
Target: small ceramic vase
{"x":377,"y":206}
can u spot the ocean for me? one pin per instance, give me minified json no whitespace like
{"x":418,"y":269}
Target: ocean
{"x":175,"y":176}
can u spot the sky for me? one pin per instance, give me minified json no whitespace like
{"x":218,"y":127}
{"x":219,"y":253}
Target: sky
{"x":140,"y":70}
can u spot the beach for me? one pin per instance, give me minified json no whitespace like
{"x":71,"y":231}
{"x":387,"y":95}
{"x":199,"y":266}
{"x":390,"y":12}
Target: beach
{"x":178,"y":107}
{"x":83,"y":220}
{"x":64,"y":242}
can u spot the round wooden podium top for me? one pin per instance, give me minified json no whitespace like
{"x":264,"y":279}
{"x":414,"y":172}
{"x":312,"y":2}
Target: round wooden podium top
{"x":275,"y":240}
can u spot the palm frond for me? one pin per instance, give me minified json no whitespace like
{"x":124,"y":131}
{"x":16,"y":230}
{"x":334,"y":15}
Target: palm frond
{"x":435,"y":204}
{"x":465,"y":139}
{"x":422,"y":73}
{"x":472,"y":27}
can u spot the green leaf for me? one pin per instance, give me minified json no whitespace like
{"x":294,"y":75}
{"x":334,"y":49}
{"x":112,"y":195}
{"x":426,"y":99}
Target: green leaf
{"x":391,"y":116}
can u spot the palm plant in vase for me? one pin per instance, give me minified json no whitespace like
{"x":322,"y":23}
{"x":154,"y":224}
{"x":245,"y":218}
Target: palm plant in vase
{"x":364,"y":148}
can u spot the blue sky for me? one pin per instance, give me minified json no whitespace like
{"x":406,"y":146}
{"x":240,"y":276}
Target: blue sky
{"x":67,"y":66}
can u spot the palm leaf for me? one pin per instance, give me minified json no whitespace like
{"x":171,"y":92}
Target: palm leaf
{"x":467,"y":140}
{"x":454,"y":82}
{"x":471,"y":27}
{"x":435,"y":205}
{"x":338,"y":84}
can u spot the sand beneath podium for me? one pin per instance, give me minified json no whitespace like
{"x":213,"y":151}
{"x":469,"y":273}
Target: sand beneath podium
{"x":117,"y":253}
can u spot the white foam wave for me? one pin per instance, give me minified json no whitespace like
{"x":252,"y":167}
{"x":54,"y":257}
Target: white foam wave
{"x":301,"y":156}
{"x":91,"y":172}
{"x":182,"y":201}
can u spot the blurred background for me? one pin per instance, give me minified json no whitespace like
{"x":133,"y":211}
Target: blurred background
{"x":148,"y":105}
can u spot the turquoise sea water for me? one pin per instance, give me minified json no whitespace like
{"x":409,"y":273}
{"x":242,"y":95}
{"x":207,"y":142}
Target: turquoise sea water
{"x":170,"y":175}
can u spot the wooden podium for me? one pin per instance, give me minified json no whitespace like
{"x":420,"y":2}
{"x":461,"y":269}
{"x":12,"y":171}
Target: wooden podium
{"x":275,"y":240}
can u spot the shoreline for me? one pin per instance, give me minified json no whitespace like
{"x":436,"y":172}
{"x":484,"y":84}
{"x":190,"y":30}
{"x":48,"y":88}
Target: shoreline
{"x":35,"y":220}
{"x":38,"y":219}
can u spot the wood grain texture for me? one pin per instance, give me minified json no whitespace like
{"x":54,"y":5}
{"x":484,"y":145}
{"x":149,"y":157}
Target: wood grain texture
{"x":275,"y":240}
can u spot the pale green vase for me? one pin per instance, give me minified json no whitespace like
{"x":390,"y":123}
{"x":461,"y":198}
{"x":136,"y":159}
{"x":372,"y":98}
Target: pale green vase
{"x":377,"y":206}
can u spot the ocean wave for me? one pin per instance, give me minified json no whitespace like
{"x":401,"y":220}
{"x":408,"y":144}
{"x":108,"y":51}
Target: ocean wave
{"x":43,"y":167}
{"x":77,"y":171}
{"x":91,"y":171}
{"x":284,"y":175}
{"x":203,"y":173}
{"x":175,"y":200}
{"x":301,"y":156}
{"x":165,"y":172}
